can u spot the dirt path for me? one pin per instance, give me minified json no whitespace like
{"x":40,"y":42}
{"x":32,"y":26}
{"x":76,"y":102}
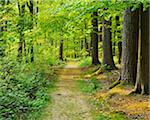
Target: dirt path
{"x":68,"y":103}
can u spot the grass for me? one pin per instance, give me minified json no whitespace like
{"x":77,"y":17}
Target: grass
{"x":111,"y":116}
{"x":89,"y":86}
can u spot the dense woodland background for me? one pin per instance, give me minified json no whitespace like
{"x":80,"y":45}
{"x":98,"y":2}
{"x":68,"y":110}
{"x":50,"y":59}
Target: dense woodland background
{"x":36,"y":35}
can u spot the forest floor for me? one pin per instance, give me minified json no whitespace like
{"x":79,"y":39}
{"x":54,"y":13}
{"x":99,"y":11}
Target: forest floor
{"x":69,"y":103}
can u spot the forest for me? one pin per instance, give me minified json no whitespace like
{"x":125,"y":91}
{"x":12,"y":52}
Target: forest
{"x":74,"y":59}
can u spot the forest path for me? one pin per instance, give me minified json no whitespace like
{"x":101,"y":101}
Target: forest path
{"x":68,"y":103}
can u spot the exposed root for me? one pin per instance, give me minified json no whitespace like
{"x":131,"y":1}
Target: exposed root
{"x":99,"y":71}
{"x":116,"y":82}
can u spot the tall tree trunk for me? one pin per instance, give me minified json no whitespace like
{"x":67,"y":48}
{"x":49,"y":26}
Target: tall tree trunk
{"x":86,"y":45}
{"x":107,"y":45}
{"x":2,"y":50}
{"x":142,"y":84}
{"x":30,"y":6}
{"x":115,"y":34}
{"x":81,"y":44}
{"x":61,"y":50}
{"x":37,"y":7}
{"x":119,"y":51}
{"x":130,"y":45}
{"x":75,"y":54}
{"x":94,"y":39}
{"x":21,"y":9}
{"x":101,"y":31}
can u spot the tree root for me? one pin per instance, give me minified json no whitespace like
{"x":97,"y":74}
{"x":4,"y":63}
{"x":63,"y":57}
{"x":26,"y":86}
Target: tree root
{"x":97,"y":72}
{"x":116,"y":82}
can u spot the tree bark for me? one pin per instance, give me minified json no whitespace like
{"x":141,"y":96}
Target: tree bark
{"x":86,"y":45}
{"x":94,"y":39}
{"x":61,"y":50}
{"x":100,"y":36}
{"x":130,"y":45}
{"x":30,"y":6}
{"x":21,"y":9}
{"x":115,"y":34}
{"x":2,"y":50}
{"x":81,"y":44}
{"x":142,"y":83}
{"x":107,"y":45}
{"x":119,"y":52}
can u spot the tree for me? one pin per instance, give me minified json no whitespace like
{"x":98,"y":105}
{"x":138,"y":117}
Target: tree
{"x":86,"y":44}
{"x":116,"y":31}
{"x":21,"y":9}
{"x":142,"y":82}
{"x":130,"y":45}
{"x":119,"y":51}
{"x":30,"y":7}
{"x":61,"y":47}
{"x":2,"y":27}
{"x":94,"y":38}
{"x":107,"y":45}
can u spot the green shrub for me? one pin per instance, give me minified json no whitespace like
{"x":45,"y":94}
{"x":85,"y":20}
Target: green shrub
{"x":22,"y":93}
{"x":86,"y":62}
{"x":89,"y":86}
{"x":102,"y":117}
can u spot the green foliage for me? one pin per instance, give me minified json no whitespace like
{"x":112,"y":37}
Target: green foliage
{"x":23,"y":91}
{"x":111,"y":116}
{"x":85,"y":62}
{"x":89,"y":86}
{"x":105,"y":68}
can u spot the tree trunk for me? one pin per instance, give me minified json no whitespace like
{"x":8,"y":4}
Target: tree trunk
{"x":94,"y":39}
{"x":81,"y":45}
{"x":100,"y":36}
{"x":1,"y":32}
{"x":30,"y":6}
{"x":21,"y":9}
{"x":130,"y":45}
{"x":75,"y":55}
{"x":86,"y":44}
{"x":61,"y":50}
{"x":115,"y":34}
{"x":142,"y":83}
{"x":119,"y":52}
{"x":107,"y":45}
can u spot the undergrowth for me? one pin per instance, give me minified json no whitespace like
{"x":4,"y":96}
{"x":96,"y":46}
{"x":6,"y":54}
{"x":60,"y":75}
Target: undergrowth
{"x":89,"y":86}
{"x":111,"y":116}
{"x":23,"y":91}
{"x":86,"y":62}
